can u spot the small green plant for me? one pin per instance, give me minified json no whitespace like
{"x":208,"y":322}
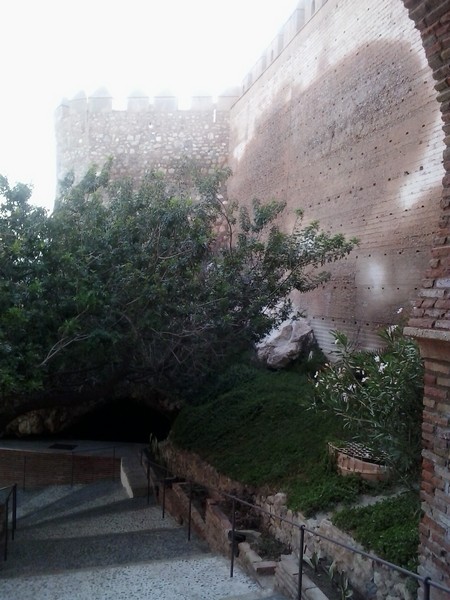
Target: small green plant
{"x":270,"y":548}
{"x":332,"y":570}
{"x":344,"y":586}
{"x":389,"y":528}
{"x":378,"y":397}
{"x":339,"y":580}
{"x":314,"y":560}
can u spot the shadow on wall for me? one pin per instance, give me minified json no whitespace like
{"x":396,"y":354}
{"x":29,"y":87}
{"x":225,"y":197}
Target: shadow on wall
{"x":359,"y":149}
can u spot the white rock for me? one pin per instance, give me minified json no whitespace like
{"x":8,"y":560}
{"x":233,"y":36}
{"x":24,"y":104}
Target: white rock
{"x":284,"y":344}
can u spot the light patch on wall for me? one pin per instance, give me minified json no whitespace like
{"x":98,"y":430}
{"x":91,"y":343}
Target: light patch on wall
{"x":409,"y":191}
{"x":375,"y":274}
{"x":239,"y":151}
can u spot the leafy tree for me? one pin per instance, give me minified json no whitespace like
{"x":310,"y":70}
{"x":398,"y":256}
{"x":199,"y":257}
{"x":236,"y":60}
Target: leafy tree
{"x":132,"y":289}
{"x":22,"y":322}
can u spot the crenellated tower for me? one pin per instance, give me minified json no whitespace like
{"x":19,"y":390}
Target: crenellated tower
{"x":149,"y":134}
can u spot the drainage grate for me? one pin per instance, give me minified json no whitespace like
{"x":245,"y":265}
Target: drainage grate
{"x":63,"y":447}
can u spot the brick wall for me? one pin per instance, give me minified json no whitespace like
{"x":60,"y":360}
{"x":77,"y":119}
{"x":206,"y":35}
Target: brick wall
{"x":430,"y":323}
{"x":345,"y":124}
{"x":39,"y":469}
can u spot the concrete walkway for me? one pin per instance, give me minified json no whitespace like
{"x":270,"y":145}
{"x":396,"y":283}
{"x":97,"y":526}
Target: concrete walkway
{"x":93,"y":542}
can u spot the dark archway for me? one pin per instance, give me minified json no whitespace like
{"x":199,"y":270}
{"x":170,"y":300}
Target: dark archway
{"x":120,"y":421}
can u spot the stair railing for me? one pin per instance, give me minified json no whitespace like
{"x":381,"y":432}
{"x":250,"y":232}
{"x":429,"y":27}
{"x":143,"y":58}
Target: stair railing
{"x":425,"y":581}
{"x":11,"y":495}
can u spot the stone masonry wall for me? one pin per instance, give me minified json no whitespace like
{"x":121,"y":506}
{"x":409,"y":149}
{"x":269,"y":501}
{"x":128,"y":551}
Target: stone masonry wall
{"x":345,"y":124}
{"x":141,"y":138}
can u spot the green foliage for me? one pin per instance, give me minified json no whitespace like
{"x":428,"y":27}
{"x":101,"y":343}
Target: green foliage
{"x":389,"y":528}
{"x":314,"y":560}
{"x":262,"y":433}
{"x":325,"y":490}
{"x":339,"y":579}
{"x":129,"y":286}
{"x":378,"y":396}
{"x":23,"y":320}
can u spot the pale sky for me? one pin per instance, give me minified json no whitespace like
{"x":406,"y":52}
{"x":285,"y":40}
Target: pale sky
{"x":51,"y":49}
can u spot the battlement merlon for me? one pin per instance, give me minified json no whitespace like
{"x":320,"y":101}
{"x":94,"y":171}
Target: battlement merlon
{"x":102,"y":102}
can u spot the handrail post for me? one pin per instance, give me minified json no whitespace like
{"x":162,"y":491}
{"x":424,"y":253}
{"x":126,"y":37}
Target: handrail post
{"x":72,"y":470}
{"x":164,"y":499}
{"x":233,"y":537}
{"x":148,"y":482}
{"x":426,"y":588}
{"x":24,"y":470}
{"x":190,"y":511}
{"x":113,"y":463}
{"x":14,"y":515}
{"x":300,"y":562}
{"x":5,"y":555}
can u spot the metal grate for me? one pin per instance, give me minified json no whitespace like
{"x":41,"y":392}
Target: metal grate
{"x":362,"y":452}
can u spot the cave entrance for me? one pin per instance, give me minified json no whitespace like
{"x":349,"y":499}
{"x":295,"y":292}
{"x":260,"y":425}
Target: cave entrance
{"x":121,"y":421}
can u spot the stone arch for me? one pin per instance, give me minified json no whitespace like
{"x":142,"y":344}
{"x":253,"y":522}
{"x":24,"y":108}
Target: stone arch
{"x":430,"y":322}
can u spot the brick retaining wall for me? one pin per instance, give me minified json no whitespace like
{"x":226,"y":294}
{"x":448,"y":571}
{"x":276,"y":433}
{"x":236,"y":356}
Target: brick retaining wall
{"x":39,"y":469}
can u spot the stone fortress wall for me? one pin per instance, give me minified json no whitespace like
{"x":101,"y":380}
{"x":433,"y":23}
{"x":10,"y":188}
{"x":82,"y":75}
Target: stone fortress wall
{"x":342,"y":116}
{"x":145,"y":136}
{"x":348,"y":131}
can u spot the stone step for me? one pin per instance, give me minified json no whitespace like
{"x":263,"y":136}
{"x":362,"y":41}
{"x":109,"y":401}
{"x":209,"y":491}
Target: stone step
{"x":128,"y":515}
{"x":33,"y":501}
{"x":94,"y":541}
{"x":204,"y":577}
{"x":40,"y":556}
{"x":258,"y":595}
{"x":56,"y":502}
{"x":287,"y":580}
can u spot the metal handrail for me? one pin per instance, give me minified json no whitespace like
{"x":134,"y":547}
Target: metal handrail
{"x":12,"y":492}
{"x":425,"y":581}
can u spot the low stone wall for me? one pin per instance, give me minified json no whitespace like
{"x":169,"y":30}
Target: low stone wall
{"x":213,"y":526}
{"x":370,"y":579}
{"x":366,"y":576}
{"x":190,"y":466}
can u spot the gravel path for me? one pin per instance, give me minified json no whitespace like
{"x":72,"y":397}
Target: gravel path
{"x":94,"y":543}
